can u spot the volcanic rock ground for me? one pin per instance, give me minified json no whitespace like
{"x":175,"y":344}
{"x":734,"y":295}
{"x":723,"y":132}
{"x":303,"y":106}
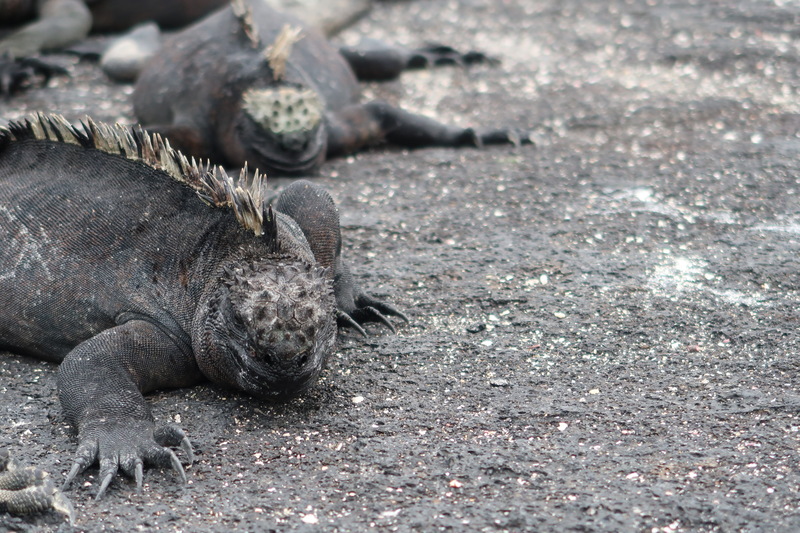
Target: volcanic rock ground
{"x":604,"y":328}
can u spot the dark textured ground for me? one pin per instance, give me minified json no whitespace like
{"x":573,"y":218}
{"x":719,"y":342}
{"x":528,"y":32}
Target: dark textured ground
{"x":604,"y":328}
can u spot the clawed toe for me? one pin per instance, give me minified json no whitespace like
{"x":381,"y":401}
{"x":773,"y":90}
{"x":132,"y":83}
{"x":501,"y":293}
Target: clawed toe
{"x":346,"y":321}
{"x":439,"y":54}
{"x":369,"y":309}
{"x":28,"y":490}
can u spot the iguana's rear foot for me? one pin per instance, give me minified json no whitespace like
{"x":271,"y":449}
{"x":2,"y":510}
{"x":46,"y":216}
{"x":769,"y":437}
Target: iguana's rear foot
{"x":374,"y":60}
{"x":517,"y":137}
{"x":28,"y":490}
{"x":127,"y":445}
{"x":441,"y":54}
{"x":20,"y":73}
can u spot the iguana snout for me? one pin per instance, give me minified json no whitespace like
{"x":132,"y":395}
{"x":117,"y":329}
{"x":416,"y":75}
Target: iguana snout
{"x":286,"y":133}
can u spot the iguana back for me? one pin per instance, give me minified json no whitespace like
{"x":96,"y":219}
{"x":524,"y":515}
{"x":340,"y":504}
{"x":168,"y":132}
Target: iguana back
{"x":96,"y":235}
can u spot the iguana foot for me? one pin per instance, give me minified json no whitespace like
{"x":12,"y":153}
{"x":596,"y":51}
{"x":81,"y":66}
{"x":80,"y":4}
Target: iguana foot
{"x":28,"y":490}
{"x":505,"y":136}
{"x":368,"y":309}
{"x":20,"y":73}
{"x":127,"y":445}
{"x":479,"y":139}
{"x":440,"y":54}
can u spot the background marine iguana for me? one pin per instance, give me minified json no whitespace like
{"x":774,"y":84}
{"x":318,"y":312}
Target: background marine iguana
{"x":250,"y":84}
{"x":136,"y":269}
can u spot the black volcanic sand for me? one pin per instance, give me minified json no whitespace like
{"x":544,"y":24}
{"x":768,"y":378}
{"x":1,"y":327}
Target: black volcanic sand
{"x":604,"y":328}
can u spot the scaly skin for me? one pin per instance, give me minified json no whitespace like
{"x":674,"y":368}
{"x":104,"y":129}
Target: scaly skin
{"x":149,"y":287}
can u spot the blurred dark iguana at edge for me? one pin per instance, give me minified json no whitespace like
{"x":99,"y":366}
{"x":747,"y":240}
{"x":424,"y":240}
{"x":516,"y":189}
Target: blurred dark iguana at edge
{"x":137,"y":270}
{"x":56,"y":24}
{"x":250,"y":84}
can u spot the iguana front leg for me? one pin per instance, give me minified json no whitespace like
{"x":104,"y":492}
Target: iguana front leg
{"x":314,"y":211}
{"x":357,"y":126}
{"x":100,"y":385}
{"x":19,"y":73}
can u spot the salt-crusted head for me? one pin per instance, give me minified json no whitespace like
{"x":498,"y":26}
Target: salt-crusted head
{"x":268,"y":328}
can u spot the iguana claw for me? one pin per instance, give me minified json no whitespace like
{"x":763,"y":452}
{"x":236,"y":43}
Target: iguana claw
{"x":369,"y":309}
{"x":346,"y":321}
{"x":440,"y":54}
{"x":127,"y":450}
{"x":27,"y":490}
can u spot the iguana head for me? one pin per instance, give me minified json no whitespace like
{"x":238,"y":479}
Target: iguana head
{"x":268,"y":327}
{"x":281,"y":130}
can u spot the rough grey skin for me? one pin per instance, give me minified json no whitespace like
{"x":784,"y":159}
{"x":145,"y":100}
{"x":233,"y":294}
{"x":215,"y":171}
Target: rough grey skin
{"x":137,"y":270}
{"x":250,"y":84}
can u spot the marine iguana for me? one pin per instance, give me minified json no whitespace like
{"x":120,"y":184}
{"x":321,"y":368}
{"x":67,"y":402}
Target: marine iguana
{"x":137,"y":269}
{"x":250,"y":84}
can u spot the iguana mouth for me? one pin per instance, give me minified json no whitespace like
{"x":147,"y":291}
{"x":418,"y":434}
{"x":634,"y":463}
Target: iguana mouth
{"x":284,"y":163}
{"x":261,"y":379}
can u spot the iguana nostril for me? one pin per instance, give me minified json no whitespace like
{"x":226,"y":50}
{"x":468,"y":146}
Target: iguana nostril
{"x":302,"y":360}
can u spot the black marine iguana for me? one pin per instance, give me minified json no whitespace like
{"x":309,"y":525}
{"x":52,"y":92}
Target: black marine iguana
{"x":136,"y":270}
{"x":249,"y":84}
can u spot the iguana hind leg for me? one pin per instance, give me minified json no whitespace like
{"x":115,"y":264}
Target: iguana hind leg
{"x":314,"y":211}
{"x":358,"y":126}
{"x":376,"y":61}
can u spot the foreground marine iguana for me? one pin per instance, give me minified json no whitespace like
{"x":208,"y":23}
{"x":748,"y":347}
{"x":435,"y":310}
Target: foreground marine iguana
{"x":137,"y":270}
{"x":250,"y":84}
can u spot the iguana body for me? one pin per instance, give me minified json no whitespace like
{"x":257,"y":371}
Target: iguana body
{"x":250,"y":84}
{"x":136,"y":270}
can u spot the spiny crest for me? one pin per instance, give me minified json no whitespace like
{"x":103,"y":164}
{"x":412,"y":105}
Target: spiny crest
{"x":277,"y":54}
{"x":212,"y":184}
{"x":244,"y":14}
